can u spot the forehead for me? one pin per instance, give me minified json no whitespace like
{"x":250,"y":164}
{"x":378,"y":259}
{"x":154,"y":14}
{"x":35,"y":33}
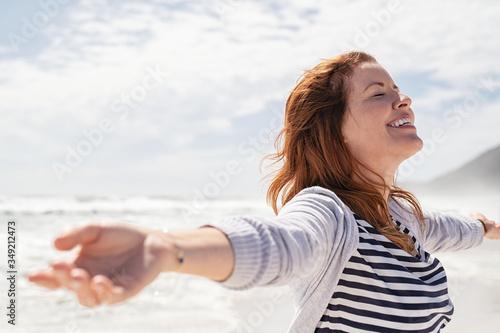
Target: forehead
{"x":367,"y":73}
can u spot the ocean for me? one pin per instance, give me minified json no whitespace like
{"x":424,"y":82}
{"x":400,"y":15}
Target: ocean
{"x":182,"y":303}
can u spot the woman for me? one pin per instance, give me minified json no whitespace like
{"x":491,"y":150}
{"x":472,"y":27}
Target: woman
{"x":353,"y":246}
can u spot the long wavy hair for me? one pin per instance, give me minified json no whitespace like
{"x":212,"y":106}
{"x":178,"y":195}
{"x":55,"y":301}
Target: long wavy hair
{"x":311,"y":150}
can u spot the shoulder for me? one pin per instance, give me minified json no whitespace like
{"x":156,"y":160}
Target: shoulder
{"x":404,"y":213}
{"x":319,"y":208}
{"x":400,"y":209}
{"x":316,"y":198}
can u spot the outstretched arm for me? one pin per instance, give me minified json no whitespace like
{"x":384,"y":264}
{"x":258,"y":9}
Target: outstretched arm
{"x":114,"y":262}
{"x":491,"y":229}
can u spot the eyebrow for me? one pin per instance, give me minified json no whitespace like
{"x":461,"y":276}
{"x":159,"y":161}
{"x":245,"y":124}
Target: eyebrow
{"x":379,"y":84}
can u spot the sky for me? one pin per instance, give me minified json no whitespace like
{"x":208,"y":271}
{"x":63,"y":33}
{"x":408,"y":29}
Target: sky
{"x":184,"y":98}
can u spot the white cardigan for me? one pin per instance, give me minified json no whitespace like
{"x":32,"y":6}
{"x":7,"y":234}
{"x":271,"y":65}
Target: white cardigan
{"x":314,"y":235}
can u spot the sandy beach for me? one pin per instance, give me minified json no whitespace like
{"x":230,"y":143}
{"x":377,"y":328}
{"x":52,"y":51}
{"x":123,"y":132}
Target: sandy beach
{"x":188,"y":304}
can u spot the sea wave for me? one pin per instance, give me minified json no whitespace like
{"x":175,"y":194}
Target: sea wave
{"x":96,"y":205}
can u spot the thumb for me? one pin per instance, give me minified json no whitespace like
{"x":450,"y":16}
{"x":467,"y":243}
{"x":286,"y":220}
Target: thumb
{"x":83,"y":234}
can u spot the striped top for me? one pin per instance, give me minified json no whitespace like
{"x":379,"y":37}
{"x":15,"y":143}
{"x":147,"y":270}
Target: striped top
{"x":312,"y":239}
{"x":384,"y":289}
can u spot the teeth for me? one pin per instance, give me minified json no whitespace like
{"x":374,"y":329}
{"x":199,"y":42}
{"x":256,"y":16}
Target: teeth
{"x":400,"y":122}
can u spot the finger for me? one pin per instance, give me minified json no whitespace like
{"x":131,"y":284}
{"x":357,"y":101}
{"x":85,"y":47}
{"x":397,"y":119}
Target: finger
{"x":78,"y":235}
{"x":106,"y":291}
{"x":80,"y":283}
{"x":62,"y":271}
{"x":44,"y":278}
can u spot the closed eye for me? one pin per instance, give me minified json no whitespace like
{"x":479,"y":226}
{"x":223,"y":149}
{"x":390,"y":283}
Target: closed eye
{"x":378,"y":95}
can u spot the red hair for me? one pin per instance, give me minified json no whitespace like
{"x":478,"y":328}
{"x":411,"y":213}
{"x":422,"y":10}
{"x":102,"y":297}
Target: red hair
{"x":312,"y":150}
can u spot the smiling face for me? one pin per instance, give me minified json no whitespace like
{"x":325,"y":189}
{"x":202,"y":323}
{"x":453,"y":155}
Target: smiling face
{"x":378,"y":123}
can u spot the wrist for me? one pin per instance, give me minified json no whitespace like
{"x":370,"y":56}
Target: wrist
{"x":178,"y":254}
{"x":484,"y":226}
{"x":204,"y":252}
{"x":172,"y":257}
{"x":491,"y":229}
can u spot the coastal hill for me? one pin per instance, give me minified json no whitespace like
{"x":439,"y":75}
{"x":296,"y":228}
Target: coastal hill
{"x":479,"y":176}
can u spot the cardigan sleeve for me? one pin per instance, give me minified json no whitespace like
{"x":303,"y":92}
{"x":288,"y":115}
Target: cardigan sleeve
{"x":275,"y":251}
{"x":450,"y":232}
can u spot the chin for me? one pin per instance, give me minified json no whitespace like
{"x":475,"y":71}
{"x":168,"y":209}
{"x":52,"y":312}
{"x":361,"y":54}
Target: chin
{"x":418,"y":144}
{"x":412,"y":147}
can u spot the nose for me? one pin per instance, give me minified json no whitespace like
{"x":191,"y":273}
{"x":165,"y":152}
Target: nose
{"x":402,"y":102}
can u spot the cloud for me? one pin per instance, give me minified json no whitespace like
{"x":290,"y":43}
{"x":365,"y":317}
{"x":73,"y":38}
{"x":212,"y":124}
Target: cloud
{"x":228,"y":69}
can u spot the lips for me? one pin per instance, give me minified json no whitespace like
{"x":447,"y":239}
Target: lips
{"x":401,"y":121}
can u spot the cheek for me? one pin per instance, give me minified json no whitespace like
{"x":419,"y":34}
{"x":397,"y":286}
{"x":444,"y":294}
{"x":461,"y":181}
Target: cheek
{"x":364,"y":136}
{"x":361,"y":129}
{"x":349,"y":130}
{"x":354,"y":136}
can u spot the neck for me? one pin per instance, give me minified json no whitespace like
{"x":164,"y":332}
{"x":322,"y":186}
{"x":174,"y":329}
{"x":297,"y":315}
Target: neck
{"x":383,"y":179}
{"x":385,"y":191}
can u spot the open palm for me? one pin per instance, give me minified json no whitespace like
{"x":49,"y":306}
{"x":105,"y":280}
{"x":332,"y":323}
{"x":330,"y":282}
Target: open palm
{"x":113,"y":262}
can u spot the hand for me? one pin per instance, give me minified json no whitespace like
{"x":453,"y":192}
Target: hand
{"x":113,"y":263}
{"x":491,"y":229}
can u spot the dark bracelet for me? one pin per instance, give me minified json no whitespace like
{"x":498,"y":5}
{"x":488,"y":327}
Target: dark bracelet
{"x":179,"y":253}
